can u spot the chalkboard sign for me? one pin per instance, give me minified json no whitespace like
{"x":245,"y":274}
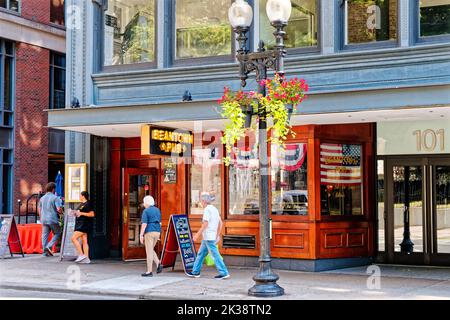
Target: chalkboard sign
{"x":68,"y":251}
{"x":170,"y":170}
{"x":9,"y":236}
{"x":179,"y":239}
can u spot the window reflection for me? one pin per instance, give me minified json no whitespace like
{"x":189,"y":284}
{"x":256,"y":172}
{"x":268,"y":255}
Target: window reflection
{"x":202,"y":28}
{"x":370,"y":21}
{"x":289,"y":180}
{"x":301,"y":30}
{"x":434,"y":17}
{"x":442,"y":185}
{"x":130,"y":32}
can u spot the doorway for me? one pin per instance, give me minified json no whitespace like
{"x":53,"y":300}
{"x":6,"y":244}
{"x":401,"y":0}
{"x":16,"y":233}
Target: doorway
{"x":414,"y":210}
{"x":137,"y":183}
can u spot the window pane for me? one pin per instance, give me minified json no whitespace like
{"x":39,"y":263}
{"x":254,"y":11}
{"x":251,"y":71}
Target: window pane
{"x":202,"y":28}
{"x":380,"y":201}
{"x":434,"y":17}
{"x":301,"y":30}
{"x":205,"y":177}
{"x":341,"y":179}
{"x":244,"y":182}
{"x":57,"y":11}
{"x":14,"y":5}
{"x":130,"y":32}
{"x":442,"y":203}
{"x":6,"y":187}
{"x":370,"y":20}
{"x":289,"y":180}
{"x":3,"y":3}
{"x":8,"y":83}
{"x":5,"y":138}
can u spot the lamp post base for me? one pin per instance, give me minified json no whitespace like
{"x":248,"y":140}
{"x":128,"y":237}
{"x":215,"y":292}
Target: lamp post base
{"x":266,"y":290}
{"x":266,"y":285}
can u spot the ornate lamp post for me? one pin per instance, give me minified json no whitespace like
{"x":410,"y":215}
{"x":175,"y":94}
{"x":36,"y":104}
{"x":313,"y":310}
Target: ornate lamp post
{"x":240,"y":15}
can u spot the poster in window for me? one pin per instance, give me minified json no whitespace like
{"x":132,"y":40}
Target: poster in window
{"x":76,"y":175}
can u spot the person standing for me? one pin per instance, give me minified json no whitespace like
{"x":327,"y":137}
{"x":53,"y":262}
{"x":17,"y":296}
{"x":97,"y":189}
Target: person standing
{"x":83,"y":226}
{"x":49,"y":209}
{"x":150,"y":232}
{"x":210,"y":231}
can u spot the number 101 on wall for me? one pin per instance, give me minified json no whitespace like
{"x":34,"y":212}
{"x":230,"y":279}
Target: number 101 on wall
{"x":430,"y":140}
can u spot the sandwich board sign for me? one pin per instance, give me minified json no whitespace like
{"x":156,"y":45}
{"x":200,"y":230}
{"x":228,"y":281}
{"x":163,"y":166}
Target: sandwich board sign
{"x":68,"y":251}
{"x":9,"y":236}
{"x":178,"y":240}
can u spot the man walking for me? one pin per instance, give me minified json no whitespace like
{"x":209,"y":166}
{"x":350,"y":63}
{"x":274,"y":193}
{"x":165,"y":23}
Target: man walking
{"x":49,"y":209}
{"x":210,"y":230}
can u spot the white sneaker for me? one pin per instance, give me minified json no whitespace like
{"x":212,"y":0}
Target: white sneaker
{"x":80,"y":258}
{"x":85,"y":261}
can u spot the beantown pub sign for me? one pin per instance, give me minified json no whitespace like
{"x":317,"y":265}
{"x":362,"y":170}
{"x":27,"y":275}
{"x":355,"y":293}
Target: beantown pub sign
{"x":166,"y":141}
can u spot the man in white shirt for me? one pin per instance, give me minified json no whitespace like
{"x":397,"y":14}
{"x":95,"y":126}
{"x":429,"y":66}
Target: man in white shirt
{"x":210,"y":231}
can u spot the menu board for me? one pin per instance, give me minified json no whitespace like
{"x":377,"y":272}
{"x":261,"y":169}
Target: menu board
{"x":76,"y":175}
{"x":170,"y":170}
{"x":179,"y":239}
{"x":9,"y":236}
{"x":68,"y":251}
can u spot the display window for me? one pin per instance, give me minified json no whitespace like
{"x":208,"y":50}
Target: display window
{"x":341,"y":179}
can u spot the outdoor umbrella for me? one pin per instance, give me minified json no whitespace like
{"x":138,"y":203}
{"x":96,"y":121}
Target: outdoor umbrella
{"x":59,"y":184}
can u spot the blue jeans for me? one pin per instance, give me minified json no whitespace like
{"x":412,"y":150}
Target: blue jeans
{"x":46,"y":228}
{"x":203,"y":251}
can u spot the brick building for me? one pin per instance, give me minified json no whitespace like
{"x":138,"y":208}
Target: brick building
{"x":32,"y":56}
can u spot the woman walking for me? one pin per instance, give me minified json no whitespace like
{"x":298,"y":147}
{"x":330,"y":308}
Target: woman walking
{"x":83,"y":226}
{"x":150,"y":231}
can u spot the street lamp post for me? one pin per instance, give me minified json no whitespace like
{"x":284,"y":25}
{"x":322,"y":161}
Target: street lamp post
{"x":241,"y":15}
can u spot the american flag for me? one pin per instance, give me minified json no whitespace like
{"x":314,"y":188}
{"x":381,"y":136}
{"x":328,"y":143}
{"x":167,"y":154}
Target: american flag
{"x":340,"y":164}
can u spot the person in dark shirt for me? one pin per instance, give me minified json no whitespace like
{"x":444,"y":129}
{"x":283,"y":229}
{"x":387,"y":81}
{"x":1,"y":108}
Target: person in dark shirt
{"x":150,"y":232}
{"x":83,"y":226}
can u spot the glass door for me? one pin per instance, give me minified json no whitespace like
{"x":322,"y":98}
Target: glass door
{"x":406,"y":211}
{"x":440,"y":210}
{"x":416,"y":197}
{"x":138,"y":183}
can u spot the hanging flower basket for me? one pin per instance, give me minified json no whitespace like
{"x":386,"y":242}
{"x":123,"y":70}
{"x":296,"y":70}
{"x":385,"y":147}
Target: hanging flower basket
{"x":283,"y":97}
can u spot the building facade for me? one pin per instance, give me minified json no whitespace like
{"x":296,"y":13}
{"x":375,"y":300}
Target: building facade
{"x":32,"y":69}
{"x":369,"y":164}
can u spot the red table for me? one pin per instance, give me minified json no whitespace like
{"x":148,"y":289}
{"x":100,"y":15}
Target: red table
{"x":31,"y":238}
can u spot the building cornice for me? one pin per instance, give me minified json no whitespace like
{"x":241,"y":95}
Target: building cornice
{"x":16,"y":28}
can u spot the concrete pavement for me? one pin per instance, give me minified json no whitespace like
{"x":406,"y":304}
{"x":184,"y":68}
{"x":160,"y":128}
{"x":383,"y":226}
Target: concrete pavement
{"x":41,"y":275}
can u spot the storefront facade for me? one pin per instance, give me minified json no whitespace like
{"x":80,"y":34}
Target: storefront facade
{"x":323,"y":187}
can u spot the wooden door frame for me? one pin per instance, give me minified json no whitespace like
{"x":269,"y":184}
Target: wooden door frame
{"x":126,"y":173}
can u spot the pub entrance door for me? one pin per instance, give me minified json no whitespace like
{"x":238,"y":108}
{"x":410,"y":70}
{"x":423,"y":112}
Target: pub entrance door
{"x":137,"y":183}
{"x":417,"y":211}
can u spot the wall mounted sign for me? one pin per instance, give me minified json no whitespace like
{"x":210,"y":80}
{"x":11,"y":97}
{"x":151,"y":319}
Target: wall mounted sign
{"x":170,"y":170}
{"x":413,"y":137}
{"x":76,"y":175}
{"x":166,"y":141}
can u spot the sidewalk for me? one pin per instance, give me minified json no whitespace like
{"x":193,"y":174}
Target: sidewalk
{"x":116,"y":278}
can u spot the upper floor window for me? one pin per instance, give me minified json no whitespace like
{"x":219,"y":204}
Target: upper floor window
{"x":370,"y":21}
{"x":434,"y":17}
{"x":130,"y":32}
{"x":57,"y":11}
{"x":301,"y":30}
{"x":202,"y":28}
{"x":10,"y":4}
{"x":57,"y":81}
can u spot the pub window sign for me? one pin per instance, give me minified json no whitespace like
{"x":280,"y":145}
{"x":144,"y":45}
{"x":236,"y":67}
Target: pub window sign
{"x":166,"y":141}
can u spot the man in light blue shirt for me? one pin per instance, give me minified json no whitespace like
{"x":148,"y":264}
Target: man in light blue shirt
{"x":49,"y":209}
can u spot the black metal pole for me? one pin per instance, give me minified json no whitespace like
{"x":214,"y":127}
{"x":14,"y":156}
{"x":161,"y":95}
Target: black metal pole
{"x":407,"y":245}
{"x":266,"y":280}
